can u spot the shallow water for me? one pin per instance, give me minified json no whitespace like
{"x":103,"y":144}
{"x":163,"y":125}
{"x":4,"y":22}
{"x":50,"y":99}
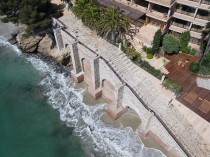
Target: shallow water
{"x":30,"y":89}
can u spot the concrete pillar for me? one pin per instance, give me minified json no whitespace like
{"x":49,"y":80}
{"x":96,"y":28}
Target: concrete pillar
{"x":120,"y":46}
{"x":190,"y":26}
{"x":162,"y":79}
{"x":149,"y":7}
{"x":195,"y":13}
{"x":115,"y":109}
{"x":58,"y":38}
{"x":95,"y":87}
{"x":119,"y":95}
{"x":169,"y":13}
{"x":144,"y":129}
{"x":77,"y":72}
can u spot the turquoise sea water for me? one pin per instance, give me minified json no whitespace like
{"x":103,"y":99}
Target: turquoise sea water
{"x":43,"y":114}
{"x":29,"y":126}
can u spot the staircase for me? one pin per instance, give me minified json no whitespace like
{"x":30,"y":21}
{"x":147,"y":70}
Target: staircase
{"x":138,"y":47}
{"x":130,"y":74}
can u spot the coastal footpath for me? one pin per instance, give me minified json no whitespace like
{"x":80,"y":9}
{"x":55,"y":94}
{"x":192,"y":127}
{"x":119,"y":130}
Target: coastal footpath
{"x":157,"y":101}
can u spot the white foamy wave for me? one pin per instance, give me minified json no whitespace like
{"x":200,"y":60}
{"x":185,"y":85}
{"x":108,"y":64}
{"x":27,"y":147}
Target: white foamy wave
{"x":99,"y":139}
{"x":5,"y":43}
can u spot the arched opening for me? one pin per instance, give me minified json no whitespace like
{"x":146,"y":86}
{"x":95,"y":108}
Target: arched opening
{"x":87,"y":70}
{"x":108,"y":90}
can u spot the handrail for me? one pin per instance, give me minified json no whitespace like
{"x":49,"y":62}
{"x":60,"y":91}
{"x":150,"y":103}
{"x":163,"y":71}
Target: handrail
{"x":135,"y":93}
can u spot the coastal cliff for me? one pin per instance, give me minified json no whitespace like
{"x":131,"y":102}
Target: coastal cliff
{"x":44,"y":45}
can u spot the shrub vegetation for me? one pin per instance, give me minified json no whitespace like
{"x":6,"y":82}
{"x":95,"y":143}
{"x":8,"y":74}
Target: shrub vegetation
{"x":171,"y":44}
{"x":194,"y":67}
{"x":184,"y":39}
{"x":173,"y":86}
{"x":150,"y":55}
{"x":157,"y":41}
{"x":34,"y":13}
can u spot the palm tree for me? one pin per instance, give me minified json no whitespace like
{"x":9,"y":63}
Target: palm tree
{"x":112,"y":22}
{"x":79,"y":7}
{"x":92,"y":14}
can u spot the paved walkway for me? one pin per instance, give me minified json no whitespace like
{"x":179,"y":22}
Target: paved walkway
{"x":148,"y":87}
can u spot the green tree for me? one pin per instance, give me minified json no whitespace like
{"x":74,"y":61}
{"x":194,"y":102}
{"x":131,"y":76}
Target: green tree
{"x":112,"y":22}
{"x":79,"y":7}
{"x":92,"y":14}
{"x":171,"y":44}
{"x":184,"y":40}
{"x":157,"y":40}
{"x":33,"y":13}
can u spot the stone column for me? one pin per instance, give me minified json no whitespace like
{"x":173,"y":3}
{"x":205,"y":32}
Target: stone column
{"x":144,"y":129}
{"x":77,"y":72}
{"x":195,"y":13}
{"x":119,"y":95}
{"x":115,"y":109}
{"x":95,"y":87}
{"x":149,"y":6}
{"x":190,"y":26}
{"x":58,"y":38}
{"x":169,"y":13}
{"x":163,"y":78}
{"x":120,"y":46}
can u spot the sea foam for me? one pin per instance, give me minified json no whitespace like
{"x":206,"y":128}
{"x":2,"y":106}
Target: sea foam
{"x":98,"y":138}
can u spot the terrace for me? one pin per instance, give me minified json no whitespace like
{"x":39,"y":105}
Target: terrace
{"x":207,"y":2}
{"x":203,"y":14}
{"x":181,"y":23}
{"x":166,"y":3}
{"x":186,"y":10}
{"x":158,"y":12}
{"x":192,"y":96}
{"x":128,"y":11}
{"x":196,"y":28}
{"x":139,"y":5}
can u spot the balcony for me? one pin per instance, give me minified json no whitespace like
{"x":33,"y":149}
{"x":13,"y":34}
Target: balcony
{"x":203,"y":14}
{"x":141,"y":6}
{"x":158,"y":12}
{"x":186,"y":10}
{"x":195,"y":3}
{"x":199,"y":22}
{"x":196,"y":31}
{"x":181,"y":23}
{"x":128,"y":11}
{"x":196,"y":28}
{"x":207,"y":2}
{"x":165,"y":3}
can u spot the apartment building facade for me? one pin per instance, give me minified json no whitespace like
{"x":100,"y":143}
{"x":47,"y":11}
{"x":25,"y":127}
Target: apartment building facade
{"x":172,"y":16}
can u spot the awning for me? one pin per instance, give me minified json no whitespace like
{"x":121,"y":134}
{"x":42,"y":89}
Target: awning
{"x":127,"y":11}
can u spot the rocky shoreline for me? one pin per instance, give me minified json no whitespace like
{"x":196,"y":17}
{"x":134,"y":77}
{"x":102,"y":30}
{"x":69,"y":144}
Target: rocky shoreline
{"x":42,"y":44}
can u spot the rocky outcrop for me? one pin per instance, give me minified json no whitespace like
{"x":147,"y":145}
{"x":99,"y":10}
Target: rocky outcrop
{"x":29,"y":44}
{"x":45,"y":46}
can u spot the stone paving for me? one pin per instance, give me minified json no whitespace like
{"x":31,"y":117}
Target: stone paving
{"x":193,"y":142}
